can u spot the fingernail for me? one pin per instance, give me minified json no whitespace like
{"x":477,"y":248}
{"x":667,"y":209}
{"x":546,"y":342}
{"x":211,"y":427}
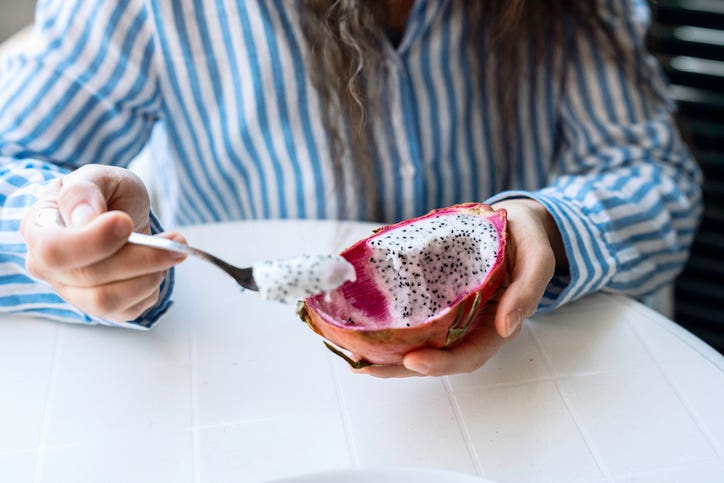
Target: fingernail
{"x":513,"y":321}
{"x":121,"y":229}
{"x":419,"y":367}
{"x":81,"y":215}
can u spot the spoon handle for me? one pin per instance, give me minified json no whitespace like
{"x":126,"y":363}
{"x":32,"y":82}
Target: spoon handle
{"x":51,"y":216}
{"x":162,"y":243}
{"x":243,"y":276}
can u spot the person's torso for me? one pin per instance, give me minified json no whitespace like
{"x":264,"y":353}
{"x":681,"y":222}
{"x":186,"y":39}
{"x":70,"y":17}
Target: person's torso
{"x":246,"y":133}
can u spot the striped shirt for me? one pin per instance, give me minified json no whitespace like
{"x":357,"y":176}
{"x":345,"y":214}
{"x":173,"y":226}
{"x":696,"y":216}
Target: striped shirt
{"x":229,"y":80}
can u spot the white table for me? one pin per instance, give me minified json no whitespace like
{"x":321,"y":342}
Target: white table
{"x":229,"y":387}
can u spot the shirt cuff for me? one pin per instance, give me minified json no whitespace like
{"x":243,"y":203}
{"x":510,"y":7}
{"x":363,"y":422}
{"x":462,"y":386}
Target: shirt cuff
{"x":591,"y":259}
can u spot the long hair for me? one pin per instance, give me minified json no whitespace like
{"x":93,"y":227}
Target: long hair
{"x":346,"y":62}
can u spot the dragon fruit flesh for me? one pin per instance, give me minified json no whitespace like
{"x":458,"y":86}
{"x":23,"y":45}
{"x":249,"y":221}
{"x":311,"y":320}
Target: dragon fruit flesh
{"x":287,"y":280}
{"x":419,"y":283}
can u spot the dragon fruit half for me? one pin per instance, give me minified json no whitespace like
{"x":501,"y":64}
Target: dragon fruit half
{"x":419,"y":283}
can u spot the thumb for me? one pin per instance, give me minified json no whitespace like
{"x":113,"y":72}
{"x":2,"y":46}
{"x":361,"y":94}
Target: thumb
{"x":94,"y":189}
{"x":80,"y":201}
{"x":532,"y":271}
{"x":516,"y":304}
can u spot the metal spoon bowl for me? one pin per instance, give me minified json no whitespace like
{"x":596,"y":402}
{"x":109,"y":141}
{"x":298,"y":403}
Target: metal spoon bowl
{"x":243,"y":276}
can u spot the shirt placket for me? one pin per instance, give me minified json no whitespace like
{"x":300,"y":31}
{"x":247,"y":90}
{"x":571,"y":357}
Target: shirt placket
{"x":404,"y":123}
{"x":404,"y":111}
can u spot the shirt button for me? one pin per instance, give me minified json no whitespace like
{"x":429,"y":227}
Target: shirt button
{"x":408,"y":171}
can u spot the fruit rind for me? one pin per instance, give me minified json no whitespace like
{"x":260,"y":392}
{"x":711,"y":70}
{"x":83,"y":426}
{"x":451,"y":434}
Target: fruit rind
{"x":387,"y":346}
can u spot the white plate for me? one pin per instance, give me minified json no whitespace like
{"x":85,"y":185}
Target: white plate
{"x":384,"y":475}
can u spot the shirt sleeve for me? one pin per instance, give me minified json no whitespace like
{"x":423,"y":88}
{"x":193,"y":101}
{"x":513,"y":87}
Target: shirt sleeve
{"x":84,"y":92}
{"x":627,"y":199}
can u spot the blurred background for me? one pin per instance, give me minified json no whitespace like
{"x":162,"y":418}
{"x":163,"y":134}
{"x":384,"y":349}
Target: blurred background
{"x":14,"y":15}
{"x":688,"y":38}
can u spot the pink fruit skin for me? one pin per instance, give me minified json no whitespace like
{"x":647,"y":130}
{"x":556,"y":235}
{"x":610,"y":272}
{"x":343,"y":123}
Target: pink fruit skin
{"x":387,"y":346}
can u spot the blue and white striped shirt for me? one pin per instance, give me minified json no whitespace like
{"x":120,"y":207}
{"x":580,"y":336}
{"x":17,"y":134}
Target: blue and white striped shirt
{"x":230,"y":82}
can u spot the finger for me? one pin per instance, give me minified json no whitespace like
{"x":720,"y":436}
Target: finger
{"x":137,"y":309}
{"x":532,"y":270}
{"x":108,"y":301}
{"x":53,"y":249}
{"x":477,"y":347}
{"x":386,"y":372}
{"x":80,"y":201}
{"x":129,"y":262}
{"x":93,"y":189}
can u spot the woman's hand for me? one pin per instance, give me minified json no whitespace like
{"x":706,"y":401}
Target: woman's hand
{"x":89,"y":262}
{"x":534,"y":251}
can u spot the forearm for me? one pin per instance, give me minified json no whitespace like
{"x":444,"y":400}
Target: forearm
{"x":58,"y":108}
{"x":628,"y":230}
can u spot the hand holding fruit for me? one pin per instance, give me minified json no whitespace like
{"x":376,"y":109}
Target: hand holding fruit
{"x":533,"y":245}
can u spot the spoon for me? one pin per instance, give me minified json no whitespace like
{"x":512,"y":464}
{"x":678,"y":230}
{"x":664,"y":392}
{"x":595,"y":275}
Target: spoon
{"x":283,"y":280}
